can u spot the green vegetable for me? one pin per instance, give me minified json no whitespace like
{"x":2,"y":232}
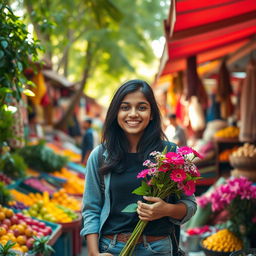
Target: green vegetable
{"x":5,"y":195}
{"x":40,"y":246}
{"x":42,"y":158}
{"x":13,"y":165}
{"x":5,"y":250}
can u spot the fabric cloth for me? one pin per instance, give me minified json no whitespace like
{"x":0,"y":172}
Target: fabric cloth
{"x":96,"y":206}
{"x":158,"y":248}
{"x":248,"y":105}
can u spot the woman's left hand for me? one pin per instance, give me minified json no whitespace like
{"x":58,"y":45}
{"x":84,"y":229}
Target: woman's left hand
{"x":154,"y":211}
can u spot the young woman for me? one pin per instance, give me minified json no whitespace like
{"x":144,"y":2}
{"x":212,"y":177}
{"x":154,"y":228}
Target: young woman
{"x":132,"y":130}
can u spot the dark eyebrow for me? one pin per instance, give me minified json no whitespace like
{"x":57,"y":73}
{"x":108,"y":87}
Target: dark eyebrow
{"x":142,"y":102}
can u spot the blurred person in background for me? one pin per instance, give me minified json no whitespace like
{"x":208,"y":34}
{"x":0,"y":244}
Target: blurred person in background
{"x":174,"y":132}
{"x":88,"y":140}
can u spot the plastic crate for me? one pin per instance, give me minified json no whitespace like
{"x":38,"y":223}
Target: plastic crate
{"x":64,"y":245}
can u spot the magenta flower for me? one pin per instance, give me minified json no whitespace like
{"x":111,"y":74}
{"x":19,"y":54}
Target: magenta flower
{"x":164,"y":168}
{"x":185,"y":150}
{"x":174,"y":158}
{"x":178,"y":175}
{"x":143,"y":173}
{"x":202,"y":200}
{"x":197,"y":154}
{"x":189,"y":188}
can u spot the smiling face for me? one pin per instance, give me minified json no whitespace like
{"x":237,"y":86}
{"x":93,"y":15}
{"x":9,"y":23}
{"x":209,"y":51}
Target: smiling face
{"x":134,"y":115}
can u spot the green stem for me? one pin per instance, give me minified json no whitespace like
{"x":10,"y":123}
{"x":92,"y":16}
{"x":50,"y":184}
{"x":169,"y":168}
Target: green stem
{"x":132,"y":241}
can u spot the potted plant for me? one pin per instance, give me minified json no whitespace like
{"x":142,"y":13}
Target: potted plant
{"x":6,"y":250}
{"x":40,"y":247}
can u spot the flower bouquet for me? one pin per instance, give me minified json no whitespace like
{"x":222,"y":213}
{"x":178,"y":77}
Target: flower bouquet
{"x":238,"y":197}
{"x":168,"y":173}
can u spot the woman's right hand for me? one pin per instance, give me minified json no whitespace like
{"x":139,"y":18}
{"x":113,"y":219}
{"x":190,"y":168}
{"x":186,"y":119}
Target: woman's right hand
{"x":106,"y":254}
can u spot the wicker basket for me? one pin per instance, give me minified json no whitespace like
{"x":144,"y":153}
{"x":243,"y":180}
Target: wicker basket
{"x":208,"y":252}
{"x":243,"y":163}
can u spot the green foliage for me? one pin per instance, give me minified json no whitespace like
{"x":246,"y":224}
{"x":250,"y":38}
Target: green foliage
{"x":130,"y":208}
{"x":40,"y":246}
{"x":6,"y":122}
{"x":13,"y":165}
{"x":5,"y":197}
{"x":15,"y":50}
{"x":121,"y":33}
{"x":42,"y":158}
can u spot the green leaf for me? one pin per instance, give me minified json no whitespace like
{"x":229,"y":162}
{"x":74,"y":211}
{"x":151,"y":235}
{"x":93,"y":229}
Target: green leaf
{"x":28,"y":93}
{"x":160,"y":186}
{"x":130,"y":208}
{"x":20,"y":66}
{"x":165,"y":150}
{"x":143,"y":190}
{"x":1,"y":54}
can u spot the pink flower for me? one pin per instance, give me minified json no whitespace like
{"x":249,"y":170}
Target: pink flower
{"x":185,"y":150}
{"x":164,"y":168}
{"x":203,"y":200}
{"x":194,"y":171}
{"x":174,"y":158}
{"x":143,"y":173}
{"x":197,"y":154}
{"x":254,"y":219}
{"x":178,"y":175}
{"x":189,"y":188}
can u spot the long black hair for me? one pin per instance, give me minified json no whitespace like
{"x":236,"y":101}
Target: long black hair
{"x":114,"y":138}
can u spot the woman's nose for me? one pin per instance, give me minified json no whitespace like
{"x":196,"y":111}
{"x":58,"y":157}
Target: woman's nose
{"x":133,"y":112}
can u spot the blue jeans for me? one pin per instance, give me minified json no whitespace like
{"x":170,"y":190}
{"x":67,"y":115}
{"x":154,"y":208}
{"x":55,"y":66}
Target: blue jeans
{"x":157,"y":248}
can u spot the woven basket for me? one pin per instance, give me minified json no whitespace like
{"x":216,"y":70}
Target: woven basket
{"x":243,"y":163}
{"x":208,"y":252}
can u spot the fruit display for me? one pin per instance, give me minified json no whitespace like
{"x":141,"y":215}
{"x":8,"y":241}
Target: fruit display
{"x":40,"y":185}
{"x":16,"y":205}
{"x":228,"y":132}
{"x":62,"y":198}
{"x":5,"y":179}
{"x":20,"y":229}
{"x":74,"y":185}
{"x":224,"y":155}
{"x":223,"y":241}
{"x":50,"y":211}
{"x":73,"y":156}
{"x":28,"y":199}
{"x":247,"y":150}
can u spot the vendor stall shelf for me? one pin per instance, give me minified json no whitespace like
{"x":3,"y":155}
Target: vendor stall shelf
{"x":224,"y":145}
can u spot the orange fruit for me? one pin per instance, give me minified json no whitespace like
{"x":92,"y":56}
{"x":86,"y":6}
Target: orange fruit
{"x":2,"y":231}
{"x":21,"y":240}
{"x":9,"y":213}
{"x":24,"y":248}
{"x":2,"y":216}
{"x":21,"y":228}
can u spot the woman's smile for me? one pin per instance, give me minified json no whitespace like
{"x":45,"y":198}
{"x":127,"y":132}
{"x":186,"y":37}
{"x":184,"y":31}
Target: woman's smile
{"x":134,"y":114}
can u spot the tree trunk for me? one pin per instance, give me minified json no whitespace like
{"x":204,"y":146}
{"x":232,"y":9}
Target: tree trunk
{"x":45,"y":38}
{"x":62,"y":123}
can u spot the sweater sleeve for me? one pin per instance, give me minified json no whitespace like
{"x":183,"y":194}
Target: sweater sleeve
{"x":92,"y":198}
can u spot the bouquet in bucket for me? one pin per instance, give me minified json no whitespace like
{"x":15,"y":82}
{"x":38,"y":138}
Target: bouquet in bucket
{"x":168,"y":173}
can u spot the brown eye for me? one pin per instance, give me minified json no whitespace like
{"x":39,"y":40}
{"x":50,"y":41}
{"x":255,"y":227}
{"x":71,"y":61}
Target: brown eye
{"x":142,"y":108}
{"x":124,"y":107}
